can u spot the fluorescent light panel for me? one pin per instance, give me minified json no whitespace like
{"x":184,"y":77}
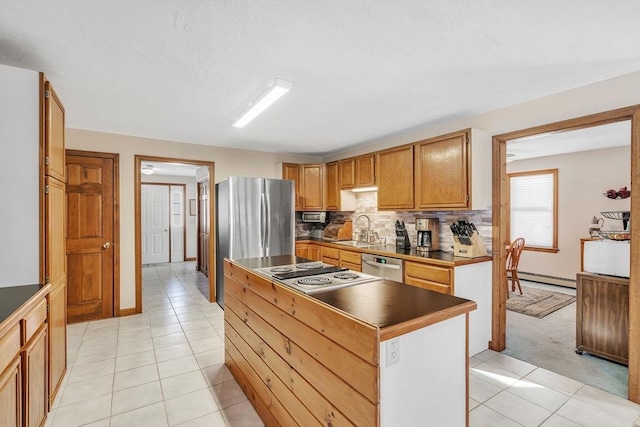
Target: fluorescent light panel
{"x":278,"y":88}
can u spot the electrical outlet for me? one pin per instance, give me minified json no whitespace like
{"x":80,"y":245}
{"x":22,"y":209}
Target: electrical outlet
{"x":393,"y":351}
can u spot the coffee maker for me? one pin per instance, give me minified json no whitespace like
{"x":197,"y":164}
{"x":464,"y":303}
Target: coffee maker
{"x":428,"y":234}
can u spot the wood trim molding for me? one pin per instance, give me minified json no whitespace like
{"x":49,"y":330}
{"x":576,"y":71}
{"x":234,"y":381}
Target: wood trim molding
{"x":127,"y":312}
{"x":500,"y":235}
{"x":137,"y":164}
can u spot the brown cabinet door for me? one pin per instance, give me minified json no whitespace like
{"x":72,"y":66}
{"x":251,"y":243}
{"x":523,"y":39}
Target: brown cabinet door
{"x":347,"y":173}
{"x":292,"y":171}
{"x":57,"y":321}
{"x":314,"y":252}
{"x":395,"y":178}
{"x":11,"y":395}
{"x":302,"y":250}
{"x":55,"y":232}
{"x":311,"y":187}
{"x":442,"y":173}
{"x":53,"y":133}
{"x":332,"y":187}
{"x":365,"y":170}
{"x":34,"y":360}
{"x":90,"y":242}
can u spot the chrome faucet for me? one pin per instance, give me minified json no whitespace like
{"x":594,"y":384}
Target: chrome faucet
{"x":366,"y":236}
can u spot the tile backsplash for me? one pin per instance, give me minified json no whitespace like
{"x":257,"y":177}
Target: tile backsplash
{"x":383,"y":222}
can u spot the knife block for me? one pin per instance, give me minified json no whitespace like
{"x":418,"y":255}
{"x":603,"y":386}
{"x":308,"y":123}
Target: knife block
{"x":475,"y":249}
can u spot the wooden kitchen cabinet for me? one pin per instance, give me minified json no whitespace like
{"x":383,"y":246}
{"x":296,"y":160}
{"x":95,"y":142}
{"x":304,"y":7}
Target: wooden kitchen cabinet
{"x":330,"y":255}
{"x":57,"y":323}
{"x":394,"y":172}
{"x":602,"y":316}
{"x":311,"y":187}
{"x":435,"y":278}
{"x":365,"y":170}
{"x":308,"y":251}
{"x":453,"y":171}
{"x":292,"y":171}
{"x":34,"y":359}
{"x":332,"y":187}
{"x":351,"y":260}
{"x":347,"y":173}
{"x":10,"y":378}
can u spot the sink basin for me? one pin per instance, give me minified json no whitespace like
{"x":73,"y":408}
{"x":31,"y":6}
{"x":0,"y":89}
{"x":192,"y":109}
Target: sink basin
{"x":354,"y":243}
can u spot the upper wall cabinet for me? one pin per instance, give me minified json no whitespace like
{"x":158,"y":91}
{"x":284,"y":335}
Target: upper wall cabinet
{"x":53,"y":133}
{"x":336,"y":199}
{"x":365,"y":170}
{"x":311,"y":187}
{"x":453,"y":171}
{"x":292,"y":171}
{"x":394,"y":172}
{"x":347,"y":173}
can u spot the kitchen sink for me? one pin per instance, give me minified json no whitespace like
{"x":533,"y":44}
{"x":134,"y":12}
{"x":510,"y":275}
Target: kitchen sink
{"x":354,"y":243}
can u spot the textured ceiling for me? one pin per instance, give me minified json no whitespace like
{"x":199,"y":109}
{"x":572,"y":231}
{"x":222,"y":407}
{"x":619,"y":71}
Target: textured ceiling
{"x":183,"y":70}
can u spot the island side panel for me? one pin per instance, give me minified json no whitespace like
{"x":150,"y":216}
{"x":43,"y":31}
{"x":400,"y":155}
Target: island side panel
{"x":428,"y":385}
{"x":473,"y":281}
{"x":297,"y":374}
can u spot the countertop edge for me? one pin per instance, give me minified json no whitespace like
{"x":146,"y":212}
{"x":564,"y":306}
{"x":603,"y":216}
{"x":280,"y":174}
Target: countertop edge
{"x":458,"y":261}
{"x":7,"y":323}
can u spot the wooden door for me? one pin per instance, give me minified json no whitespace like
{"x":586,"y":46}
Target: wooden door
{"x":442,"y":173}
{"x":332,"y":189}
{"x":203,"y":227}
{"x":347,"y":173}
{"x":34,"y":359}
{"x":365,"y":170}
{"x":54,"y":134}
{"x":395,"y":178}
{"x":292,"y":171}
{"x":311,"y":190}
{"x":90,"y":224}
{"x":11,"y":395}
{"x":155,"y":223}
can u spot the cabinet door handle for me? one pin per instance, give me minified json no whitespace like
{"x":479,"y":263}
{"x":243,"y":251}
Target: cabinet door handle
{"x":106,"y":245}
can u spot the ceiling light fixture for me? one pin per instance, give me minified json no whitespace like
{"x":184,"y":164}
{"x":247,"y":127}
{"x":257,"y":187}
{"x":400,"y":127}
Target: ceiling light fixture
{"x":278,"y":88}
{"x":147,"y":170}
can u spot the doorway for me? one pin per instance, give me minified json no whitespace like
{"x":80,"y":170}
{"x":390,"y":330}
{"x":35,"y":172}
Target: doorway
{"x":501,"y":238}
{"x":139,"y":161}
{"x":164,"y":225}
{"x":93,"y":271}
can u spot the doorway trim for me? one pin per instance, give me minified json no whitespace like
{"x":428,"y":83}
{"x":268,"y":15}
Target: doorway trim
{"x":137,"y":164}
{"x":500,"y":237}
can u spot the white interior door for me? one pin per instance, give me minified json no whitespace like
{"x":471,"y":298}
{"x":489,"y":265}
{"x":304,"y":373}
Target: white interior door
{"x":155,"y":224}
{"x":177,"y":223}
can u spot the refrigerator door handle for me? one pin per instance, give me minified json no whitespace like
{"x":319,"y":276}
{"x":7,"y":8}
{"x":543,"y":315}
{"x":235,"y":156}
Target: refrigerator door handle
{"x":267,"y":229}
{"x":263,"y":220}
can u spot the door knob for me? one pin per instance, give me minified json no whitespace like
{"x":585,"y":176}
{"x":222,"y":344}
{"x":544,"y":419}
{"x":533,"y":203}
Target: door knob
{"x":106,"y":245}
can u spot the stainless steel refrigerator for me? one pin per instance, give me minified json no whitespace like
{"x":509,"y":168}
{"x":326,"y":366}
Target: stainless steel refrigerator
{"x":255,"y":217}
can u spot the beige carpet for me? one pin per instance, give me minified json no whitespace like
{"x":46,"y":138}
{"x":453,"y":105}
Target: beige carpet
{"x":537,"y":302}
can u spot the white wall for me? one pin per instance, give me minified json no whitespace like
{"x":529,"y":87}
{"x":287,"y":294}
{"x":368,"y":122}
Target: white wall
{"x":582,"y":178}
{"x":19,"y":175}
{"x":190,"y":193}
{"x":228,"y":162}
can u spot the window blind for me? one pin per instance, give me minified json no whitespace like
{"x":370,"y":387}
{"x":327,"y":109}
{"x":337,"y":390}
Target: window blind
{"x":532,"y":209}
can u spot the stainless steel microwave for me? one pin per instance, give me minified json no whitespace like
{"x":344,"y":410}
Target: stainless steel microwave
{"x":320,"y":217}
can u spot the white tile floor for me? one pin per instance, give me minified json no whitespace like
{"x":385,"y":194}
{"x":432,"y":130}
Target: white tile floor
{"x":165,"y":367}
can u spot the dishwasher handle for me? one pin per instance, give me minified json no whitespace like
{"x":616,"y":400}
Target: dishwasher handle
{"x":376,"y":264}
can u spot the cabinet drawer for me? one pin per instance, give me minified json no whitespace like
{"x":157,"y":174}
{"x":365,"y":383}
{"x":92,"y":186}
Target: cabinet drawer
{"x":426,"y":272}
{"x":351,"y":257}
{"x":10,"y":345}
{"x":34,"y":319}
{"x":350,"y":266}
{"x":426,"y":284}
{"x":330,"y":253}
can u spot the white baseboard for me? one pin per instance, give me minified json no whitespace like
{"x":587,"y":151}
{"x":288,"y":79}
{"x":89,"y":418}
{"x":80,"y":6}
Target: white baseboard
{"x":541,"y":278}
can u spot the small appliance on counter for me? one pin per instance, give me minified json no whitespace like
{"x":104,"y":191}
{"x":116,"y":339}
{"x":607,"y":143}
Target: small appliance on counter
{"x":402,"y":237}
{"x":467,"y":242}
{"x":595,"y":226}
{"x":428,"y":234}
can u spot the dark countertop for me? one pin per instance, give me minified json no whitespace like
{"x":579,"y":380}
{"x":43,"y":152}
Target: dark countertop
{"x":432,"y":257}
{"x":13,"y":297}
{"x":396,"y":308}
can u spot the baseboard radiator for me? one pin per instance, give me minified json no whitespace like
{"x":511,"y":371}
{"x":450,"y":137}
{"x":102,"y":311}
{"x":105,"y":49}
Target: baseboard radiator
{"x":551,"y":280}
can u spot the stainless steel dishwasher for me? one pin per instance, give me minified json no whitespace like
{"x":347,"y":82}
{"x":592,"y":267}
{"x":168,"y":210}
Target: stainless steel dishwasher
{"x":382,"y":266}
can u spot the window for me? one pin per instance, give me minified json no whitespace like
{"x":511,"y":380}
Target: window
{"x":533,"y":208}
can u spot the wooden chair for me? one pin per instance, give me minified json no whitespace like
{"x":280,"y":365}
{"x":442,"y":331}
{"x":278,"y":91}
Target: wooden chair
{"x":513,"y":257}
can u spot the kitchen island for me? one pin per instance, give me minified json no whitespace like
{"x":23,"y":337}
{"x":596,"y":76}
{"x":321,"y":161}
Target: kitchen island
{"x":378,"y":353}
